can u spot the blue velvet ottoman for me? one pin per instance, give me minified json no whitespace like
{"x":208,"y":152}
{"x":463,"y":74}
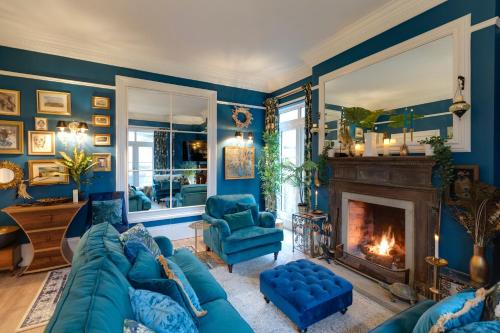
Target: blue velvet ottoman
{"x":305,"y":292}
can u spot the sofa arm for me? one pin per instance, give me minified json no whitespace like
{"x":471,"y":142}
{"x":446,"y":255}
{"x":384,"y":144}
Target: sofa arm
{"x":267,"y":220}
{"x":405,"y":321}
{"x":220,"y":224}
{"x":165,"y":245}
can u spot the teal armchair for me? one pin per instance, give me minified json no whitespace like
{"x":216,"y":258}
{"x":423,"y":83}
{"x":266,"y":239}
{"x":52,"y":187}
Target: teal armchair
{"x":243,"y":244}
{"x":191,"y":195}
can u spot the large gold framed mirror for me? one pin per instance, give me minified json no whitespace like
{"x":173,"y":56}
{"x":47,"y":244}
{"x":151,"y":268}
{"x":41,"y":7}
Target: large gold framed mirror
{"x":10,"y":175}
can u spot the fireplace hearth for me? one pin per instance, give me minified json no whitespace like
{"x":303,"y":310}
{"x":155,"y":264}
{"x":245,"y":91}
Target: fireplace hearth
{"x":384,"y":210}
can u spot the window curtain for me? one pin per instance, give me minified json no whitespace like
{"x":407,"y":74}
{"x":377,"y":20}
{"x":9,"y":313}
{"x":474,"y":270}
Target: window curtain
{"x":308,"y":142}
{"x":160,"y":150}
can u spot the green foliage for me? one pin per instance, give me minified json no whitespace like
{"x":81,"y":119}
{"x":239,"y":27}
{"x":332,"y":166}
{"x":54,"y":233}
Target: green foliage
{"x":295,"y":175}
{"x":77,"y":166}
{"x":369,"y":121}
{"x":269,"y":169}
{"x":322,"y":167}
{"x":189,"y":165}
{"x":444,"y":161}
{"x":398,"y":120}
{"x":362,"y":117}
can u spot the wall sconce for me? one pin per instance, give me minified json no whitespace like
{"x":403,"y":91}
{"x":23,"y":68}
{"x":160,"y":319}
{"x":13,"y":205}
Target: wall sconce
{"x":238,"y":135}
{"x":250,"y":137}
{"x":73,"y":131}
{"x":459,"y":106}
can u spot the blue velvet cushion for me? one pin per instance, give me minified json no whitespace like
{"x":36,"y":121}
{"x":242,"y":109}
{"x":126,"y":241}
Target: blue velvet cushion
{"x":169,"y":288}
{"x":239,"y":220}
{"x":132,"y":248}
{"x":253,"y":208}
{"x":145,"y":267}
{"x":454,"y":311}
{"x":174,"y":272}
{"x":131,"y":326}
{"x":107,"y":211}
{"x":479,"y":327}
{"x":160,"y":312}
{"x":139,"y":232}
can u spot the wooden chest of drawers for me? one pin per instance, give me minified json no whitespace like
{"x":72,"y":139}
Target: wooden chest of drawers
{"x":46,"y":228}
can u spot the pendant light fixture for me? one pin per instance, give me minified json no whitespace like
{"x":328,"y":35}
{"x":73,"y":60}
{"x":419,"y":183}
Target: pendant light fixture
{"x":459,"y":106}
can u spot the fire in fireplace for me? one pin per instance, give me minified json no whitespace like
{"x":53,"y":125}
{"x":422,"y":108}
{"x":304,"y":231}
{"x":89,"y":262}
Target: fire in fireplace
{"x":377,"y":233}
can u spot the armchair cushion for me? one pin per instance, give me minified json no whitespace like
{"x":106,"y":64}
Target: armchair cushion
{"x":253,"y":208}
{"x":107,"y":211}
{"x":266,"y":220}
{"x":251,"y":237}
{"x":239,"y":220}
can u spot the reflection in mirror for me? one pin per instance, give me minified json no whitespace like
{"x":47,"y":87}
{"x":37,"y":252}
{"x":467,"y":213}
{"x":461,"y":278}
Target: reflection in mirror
{"x":414,"y":88}
{"x":10,"y":175}
{"x":167,"y":150}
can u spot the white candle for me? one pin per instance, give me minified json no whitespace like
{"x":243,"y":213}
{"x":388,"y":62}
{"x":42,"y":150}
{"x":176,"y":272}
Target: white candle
{"x":436,"y":246}
{"x":316,"y":198}
{"x":357,"y":149}
{"x":75,"y":196}
{"x":387,"y":145}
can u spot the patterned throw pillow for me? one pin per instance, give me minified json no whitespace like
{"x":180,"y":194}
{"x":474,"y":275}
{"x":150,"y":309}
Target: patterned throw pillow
{"x":160,"y":312}
{"x":107,"y":211}
{"x":131,"y":326}
{"x":174,"y":272}
{"x":140,"y":233}
{"x":452,"y":312}
{"x":492,"y":303}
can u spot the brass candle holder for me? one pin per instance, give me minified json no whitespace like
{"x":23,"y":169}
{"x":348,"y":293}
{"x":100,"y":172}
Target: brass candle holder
{"x":403,"y":150}
{"x":437,"y":263}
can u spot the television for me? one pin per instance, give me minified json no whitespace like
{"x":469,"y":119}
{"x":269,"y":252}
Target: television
{"x":194,"y":150}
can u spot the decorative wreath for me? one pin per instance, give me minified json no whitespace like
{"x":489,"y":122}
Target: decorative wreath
{"x":246,"y":113}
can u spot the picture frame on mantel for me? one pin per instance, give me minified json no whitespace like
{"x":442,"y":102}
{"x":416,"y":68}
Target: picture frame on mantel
{"x":465,"y":176}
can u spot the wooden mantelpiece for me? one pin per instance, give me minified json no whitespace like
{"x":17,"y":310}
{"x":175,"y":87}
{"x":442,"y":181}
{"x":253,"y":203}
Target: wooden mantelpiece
{"x":401,"y":178}
{"x":46,"y":228}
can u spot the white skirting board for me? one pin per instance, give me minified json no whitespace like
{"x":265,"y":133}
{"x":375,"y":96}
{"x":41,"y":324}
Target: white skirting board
{"x":172,"y":231}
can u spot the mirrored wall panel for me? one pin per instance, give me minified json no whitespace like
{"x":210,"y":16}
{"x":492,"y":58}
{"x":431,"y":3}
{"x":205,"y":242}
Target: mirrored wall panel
{"x":167,"y":150}
{"x":412,"y":90}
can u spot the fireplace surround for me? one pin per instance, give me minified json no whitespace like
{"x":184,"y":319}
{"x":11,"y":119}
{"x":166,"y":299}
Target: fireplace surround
{"x":375,"y":193}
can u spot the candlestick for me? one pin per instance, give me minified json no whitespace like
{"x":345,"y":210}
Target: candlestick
{"x":387,"y":146}
{"x":411,"y":118}
{"x":436,"y":246}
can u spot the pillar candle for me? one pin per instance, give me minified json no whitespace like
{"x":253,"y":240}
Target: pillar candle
{"x":75,"y":196}
{"x":436,"y":246}
{"x":387,"y":146}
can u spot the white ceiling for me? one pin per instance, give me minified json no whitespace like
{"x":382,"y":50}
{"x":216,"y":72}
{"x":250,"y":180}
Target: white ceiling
{"x":418,"y":76}
{"x":152,"y":105}
{"x":256,"y":44}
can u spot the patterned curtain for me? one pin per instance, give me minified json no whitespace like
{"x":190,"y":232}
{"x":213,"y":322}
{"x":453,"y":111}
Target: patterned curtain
{"x":271,"y":116}
{"x":308,"y":142}
{"x":160,"y":149}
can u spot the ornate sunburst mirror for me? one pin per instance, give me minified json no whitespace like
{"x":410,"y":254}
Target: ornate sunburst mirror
{"x":10,"y":175}
{"x":242,"y":117}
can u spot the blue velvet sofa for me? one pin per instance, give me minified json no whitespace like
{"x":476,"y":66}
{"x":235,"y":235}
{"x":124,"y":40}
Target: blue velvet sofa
{"x":96,"y":299}
{"x":137,"y":200}
{"x":405,"y":321}
{"x":191,"y":195}
{"x":243,"y":244}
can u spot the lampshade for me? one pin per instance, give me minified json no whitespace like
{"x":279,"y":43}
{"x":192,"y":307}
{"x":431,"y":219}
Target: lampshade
{"x":61,"y":125}
{"x":83,"y":127}
{"x":459,"y":106}
{"x":238,"y":135}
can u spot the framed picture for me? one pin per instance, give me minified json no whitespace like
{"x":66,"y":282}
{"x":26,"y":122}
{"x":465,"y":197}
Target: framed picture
{"x":102,"y":161}
{"x":41,"y":124}
{"x":41,"y":143}
{"x":102,"y":139}
{"x":239,"y":162}
{"x":11,"y":137}
{"x":465,"y":176}
{"x":358,"y":133}
{"x":47,"y":172}
{"x":103,"y":103}
{"x":53,"y":102}
{"x":101,"y":121}
{"x":10,"y":102}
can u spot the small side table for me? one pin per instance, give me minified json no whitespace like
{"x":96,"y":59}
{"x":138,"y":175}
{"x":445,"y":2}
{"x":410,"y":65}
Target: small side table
{"x":306,"y":232}
{"x":198,"y":225}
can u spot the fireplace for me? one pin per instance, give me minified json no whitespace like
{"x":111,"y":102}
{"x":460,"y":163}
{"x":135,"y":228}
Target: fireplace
{"x":384,"y":210}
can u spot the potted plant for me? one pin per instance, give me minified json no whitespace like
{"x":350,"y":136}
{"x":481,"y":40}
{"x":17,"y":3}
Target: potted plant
{"x":295,"y":176}
{"x":78,"y":166}
{"x":444,"y":160}
{"x":269,"y":170}
{"x":479,"y":214}
{"x":189,"y":171}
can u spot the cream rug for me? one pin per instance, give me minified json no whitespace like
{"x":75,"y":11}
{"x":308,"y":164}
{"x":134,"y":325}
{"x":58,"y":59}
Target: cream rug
{"x":242,"y":287}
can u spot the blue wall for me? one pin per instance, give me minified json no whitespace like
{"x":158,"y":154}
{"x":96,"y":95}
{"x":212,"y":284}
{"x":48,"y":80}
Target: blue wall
{"x":23,"y":61}
{"x":485,"y":140}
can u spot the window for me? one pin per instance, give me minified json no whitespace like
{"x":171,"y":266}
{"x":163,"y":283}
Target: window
{"x":291,"y":120}
{"x":140,"y":161}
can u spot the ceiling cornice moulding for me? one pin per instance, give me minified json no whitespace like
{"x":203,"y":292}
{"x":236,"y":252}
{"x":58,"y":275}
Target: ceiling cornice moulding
{"x":371,"y":25}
